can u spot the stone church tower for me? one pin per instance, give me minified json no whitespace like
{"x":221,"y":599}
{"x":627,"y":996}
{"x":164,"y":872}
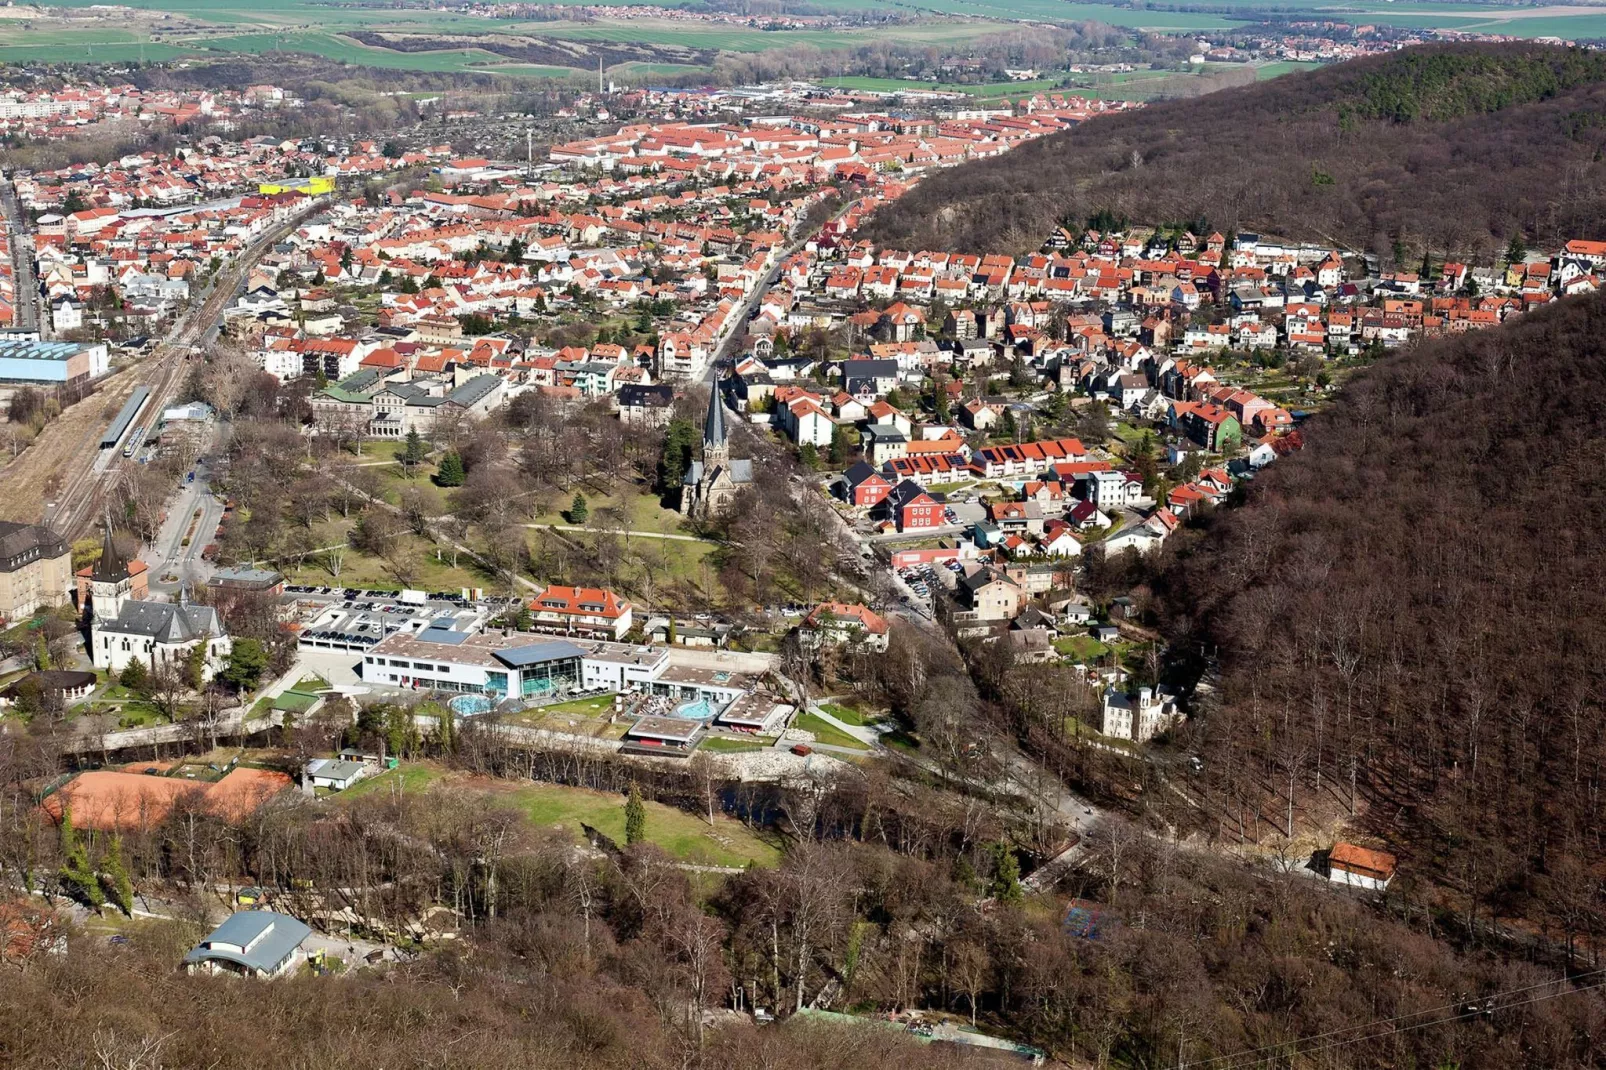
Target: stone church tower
{"x":711,"y":483}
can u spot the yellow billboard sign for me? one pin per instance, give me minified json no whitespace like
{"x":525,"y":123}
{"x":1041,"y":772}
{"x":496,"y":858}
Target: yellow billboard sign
{"x":312,"y":187}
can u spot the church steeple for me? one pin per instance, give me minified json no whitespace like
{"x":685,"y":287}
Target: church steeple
{"x":111,"y":567}
{"x":111,"y":583}
{"x":716,"y":441}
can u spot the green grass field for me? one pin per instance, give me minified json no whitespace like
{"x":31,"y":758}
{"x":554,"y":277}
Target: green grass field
{"x":317,"y":28}
{"x":681,"y":835}
{"x":1081,"y":648}
{"x":827,"y":733}
{"x":850,"y":716}
{"x":732,"y":745}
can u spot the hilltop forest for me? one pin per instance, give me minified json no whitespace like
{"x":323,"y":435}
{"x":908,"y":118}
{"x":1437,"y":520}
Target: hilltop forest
{"x":1412,"y":628}
{"x":1453,"y":148}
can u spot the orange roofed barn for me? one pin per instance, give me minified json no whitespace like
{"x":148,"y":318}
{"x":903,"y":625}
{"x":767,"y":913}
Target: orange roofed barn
{"x":1360,"y":867}
{"x":113,"y":801}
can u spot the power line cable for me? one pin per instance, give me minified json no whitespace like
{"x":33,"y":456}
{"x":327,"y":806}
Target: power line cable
{"x":1211,"y":1062}
{"x":1441,"y":1021}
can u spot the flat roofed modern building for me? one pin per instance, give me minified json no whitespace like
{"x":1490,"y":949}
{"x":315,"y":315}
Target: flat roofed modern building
{"x":532,"y":666}
{"x":252,"y":943}
{"x":52,"y":363}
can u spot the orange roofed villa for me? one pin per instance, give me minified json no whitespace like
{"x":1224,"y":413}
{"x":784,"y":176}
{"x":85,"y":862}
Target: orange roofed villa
{"x":593,"y":612}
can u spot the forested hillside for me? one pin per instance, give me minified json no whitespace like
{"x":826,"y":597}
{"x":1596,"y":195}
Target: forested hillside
{"x":1412,"y":623}
{"x":1455,"y":148}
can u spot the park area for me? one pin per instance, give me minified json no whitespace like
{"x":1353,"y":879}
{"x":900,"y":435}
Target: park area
{"x":683,"y":836}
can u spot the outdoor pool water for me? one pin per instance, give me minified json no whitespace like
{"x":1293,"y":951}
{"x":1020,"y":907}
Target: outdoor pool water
{"x":700,"y":710}
{"x":469,"y":705}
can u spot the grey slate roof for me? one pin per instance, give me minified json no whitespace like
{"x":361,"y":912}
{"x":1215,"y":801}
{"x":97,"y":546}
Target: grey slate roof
{"x":267,"y":937}
{"x":634,"y":395}
{"x":334,"y":769}
{"x":741,"y":471}
{"x":165,"y":622}
{"x":474,"y":390}
{"x":714,"y":424}
{"x":21,"y":543}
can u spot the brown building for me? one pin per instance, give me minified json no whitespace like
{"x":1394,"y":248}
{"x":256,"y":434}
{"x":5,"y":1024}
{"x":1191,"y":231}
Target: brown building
{"x":35,"y":570}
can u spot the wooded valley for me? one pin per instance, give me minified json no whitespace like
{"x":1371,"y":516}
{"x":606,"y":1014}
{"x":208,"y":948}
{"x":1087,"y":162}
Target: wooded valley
{"x":1453,"y":148}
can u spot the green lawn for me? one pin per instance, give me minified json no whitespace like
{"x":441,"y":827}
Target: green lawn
{"x":683,"y":836}
{"x":630,"y":509}
{"x":586,"y":707}
{"x":366,"y":571}
{"x":412,"y":777}
{"x":672,"y":573}
{"x":735,"y":745}
{"x":827,"y":733}
{"x":1081,"y":648}
{"x":851,"y":716}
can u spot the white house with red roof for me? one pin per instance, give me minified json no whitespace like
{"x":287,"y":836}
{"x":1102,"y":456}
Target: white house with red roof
{"x":841,"y":623}
{"x":589,"y":611}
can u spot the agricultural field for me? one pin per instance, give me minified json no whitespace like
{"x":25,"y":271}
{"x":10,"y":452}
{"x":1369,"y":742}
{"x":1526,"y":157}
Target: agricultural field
{"x":642,"y":49}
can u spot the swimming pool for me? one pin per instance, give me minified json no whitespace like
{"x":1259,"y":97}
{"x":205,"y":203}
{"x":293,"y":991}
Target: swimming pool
{"x":697,"y":710}
{"x":469,"y":705}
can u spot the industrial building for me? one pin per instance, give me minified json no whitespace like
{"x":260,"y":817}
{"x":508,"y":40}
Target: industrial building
{"x":52,"y":363}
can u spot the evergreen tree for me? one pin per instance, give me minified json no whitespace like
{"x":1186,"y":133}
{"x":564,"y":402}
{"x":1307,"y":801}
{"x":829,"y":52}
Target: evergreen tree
{"x":680,"y":440}
{"x":451,"y":472}
{"x":840,"y":446}
{"x":635,"y":817}
{"x":1516,"y":249}
{"x":413,"y":452}
{"x":578,"y":510}
{"x":447,"y":729}
{"x":114,"y":877}
{"x":247,"y":662}
{"x":41,"y":653}
{"x":195,"y":667}
{"x":77,"y":876}
{"x":809,"y":455}
{"x":1005,"y":887}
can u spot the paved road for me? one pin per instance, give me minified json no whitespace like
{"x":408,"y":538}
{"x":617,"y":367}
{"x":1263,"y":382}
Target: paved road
{"x":29,"y":316}
{"x":168,"y":555}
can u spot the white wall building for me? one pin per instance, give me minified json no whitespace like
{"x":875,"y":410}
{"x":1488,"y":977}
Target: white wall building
{"x":1138,"y":717}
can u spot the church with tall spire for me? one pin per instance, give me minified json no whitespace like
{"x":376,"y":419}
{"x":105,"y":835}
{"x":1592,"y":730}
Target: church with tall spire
{"x":112,"y":580}
{"x":711,"y":484}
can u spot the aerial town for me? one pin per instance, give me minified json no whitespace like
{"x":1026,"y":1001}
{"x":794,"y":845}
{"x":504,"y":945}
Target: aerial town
{"x":602,"y":464}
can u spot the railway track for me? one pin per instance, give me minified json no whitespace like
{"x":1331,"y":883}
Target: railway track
{"x":84,"y":494}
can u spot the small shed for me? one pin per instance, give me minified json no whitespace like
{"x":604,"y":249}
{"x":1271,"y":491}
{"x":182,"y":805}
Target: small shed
{"x":334,"y":773}
{"x":1360,"y":867}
